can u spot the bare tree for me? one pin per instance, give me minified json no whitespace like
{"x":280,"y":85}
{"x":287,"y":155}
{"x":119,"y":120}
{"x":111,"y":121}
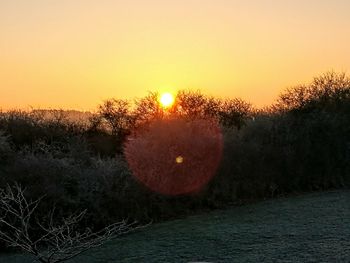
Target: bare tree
{"x":328,"y":90}
{"x":191,"y":104}
{"x":56,"y":242}
{"x":147,"y":109}
{"x":234,"y":112}
{"x":117,"y":115}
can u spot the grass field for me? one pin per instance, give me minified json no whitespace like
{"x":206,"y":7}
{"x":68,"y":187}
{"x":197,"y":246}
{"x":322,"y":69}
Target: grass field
{"x":309,"y":228}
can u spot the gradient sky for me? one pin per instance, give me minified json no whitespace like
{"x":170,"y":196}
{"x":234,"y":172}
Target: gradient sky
{"x":76,"y":53}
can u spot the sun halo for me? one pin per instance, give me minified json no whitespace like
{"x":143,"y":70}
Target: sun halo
{"x":166,"y":100}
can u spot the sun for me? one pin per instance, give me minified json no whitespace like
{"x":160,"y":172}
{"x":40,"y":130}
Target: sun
{"x":166,"y":100}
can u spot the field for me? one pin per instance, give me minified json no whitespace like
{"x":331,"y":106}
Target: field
{"x":308,"y":228}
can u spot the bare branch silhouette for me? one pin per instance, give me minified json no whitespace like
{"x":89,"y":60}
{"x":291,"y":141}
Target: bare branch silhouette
{"x":57,"y":242}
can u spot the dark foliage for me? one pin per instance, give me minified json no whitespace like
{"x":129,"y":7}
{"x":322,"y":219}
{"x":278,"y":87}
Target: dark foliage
{"x":302,"y":143}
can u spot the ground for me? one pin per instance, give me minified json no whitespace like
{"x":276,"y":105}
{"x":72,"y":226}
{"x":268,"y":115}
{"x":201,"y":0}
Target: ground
{"x":307,"y":228}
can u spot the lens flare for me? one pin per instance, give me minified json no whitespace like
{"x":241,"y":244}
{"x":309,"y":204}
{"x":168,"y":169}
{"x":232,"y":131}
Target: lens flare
{"x":179,"y":159}
{"x":154,"y":159}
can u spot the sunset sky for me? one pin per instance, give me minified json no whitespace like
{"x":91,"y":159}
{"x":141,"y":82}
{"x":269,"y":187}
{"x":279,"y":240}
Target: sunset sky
{"x":76,"y":53}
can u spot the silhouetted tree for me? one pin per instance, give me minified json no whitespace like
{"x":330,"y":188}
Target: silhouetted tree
{"x":234,"y":112}
{"x":328,"y":91}
{"x":117,"y":115}
{"x":147,"y":109}
{"x":190,"y":104}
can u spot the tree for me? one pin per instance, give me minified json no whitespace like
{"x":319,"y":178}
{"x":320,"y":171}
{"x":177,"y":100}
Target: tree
{"x":191,"y":104}
{"x":328,"y":91}
{"x":147,"y":109}
{"x":116,"y":113}
{"x":234,"y":112}
{"x":56,"y":242}
{"x":118,"y":119}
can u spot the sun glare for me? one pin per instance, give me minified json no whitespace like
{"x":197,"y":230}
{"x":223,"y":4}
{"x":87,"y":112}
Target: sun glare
{"x":166,"y":99}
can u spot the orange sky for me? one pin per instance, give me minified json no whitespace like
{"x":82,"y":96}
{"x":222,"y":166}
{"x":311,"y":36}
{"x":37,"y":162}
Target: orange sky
{"x":76,"y":53}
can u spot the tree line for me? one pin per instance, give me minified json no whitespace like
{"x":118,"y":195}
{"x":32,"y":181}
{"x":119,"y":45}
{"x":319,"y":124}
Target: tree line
{"x":300,"y":143}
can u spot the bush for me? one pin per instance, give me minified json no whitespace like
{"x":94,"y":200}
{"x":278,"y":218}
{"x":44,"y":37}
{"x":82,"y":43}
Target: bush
{"x":302,"y":143}
{"x":6,"y":151}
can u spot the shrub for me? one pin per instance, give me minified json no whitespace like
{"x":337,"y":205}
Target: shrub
{"x":302,"y":143}
{"x":6,"y":151}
